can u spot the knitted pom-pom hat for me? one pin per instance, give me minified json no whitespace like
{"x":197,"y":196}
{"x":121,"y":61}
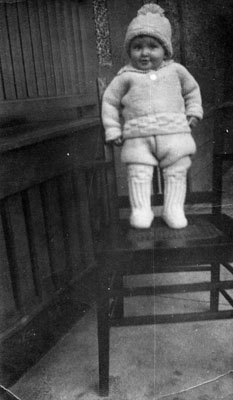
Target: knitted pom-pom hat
{"x":150,"y":21}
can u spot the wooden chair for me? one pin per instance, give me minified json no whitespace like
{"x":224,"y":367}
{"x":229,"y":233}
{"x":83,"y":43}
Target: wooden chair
{"x":206,"y":244}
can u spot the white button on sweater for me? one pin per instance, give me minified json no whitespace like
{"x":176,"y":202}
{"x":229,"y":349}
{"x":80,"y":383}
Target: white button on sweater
{"x":153,"y":77}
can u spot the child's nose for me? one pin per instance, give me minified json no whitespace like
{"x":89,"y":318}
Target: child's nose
{"x":145,"y":50}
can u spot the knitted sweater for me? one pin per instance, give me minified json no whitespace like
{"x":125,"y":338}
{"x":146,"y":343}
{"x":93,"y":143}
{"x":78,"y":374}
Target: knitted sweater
{"x":151,"y":102}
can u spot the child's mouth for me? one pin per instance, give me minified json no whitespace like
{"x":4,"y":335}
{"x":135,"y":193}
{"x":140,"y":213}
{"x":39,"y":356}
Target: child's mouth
{"x":145,"y":63}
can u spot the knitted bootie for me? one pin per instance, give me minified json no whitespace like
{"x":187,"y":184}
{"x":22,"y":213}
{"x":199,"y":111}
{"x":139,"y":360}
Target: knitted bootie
{"x":139,"y":182}
{"x":174,"y":198}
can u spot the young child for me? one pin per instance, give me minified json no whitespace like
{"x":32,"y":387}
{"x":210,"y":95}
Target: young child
{"x":160,"y":103}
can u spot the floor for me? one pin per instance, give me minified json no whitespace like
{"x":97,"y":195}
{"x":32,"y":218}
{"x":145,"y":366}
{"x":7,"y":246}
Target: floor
{"x":174,"y":362}
{"x":190,"y":361}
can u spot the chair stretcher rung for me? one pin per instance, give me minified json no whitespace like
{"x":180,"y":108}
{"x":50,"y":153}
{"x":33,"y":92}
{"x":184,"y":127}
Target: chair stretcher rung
{"x":182,"y":268}
{"x":169,"y":269}
{"x":171,"y":318}
{"x":182,"y":288}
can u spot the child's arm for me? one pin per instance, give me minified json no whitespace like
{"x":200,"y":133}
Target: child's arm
{"x":192,"y":96}
{"x":111,"y":109}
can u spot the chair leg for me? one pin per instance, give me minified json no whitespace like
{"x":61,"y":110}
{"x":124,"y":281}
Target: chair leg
{"x":214,"y":293}
{"x":103,"y":332}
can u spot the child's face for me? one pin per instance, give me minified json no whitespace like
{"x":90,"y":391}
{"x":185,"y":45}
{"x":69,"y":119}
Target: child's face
{"x":146,"y":53}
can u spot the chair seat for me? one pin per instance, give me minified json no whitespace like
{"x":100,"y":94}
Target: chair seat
{"x":207,"y":238}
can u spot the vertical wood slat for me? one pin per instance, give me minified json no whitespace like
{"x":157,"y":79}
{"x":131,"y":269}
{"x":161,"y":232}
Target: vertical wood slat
{"x":85,"y":10}
{"x":2,"y":92}
{"x":7,"y":302}
{"x":37,"y":48}
{"x":46,"y":45}
{"x":84,"y":220}
{"x":75,"y":79}
{"x":16,"y":51}
{"x":63,"y":45}
{"x":5,"y":56}
{"x":38,"y":243}
{"x":54,"y":230}
{"x":25,"y":34}
{"x":57,"y":64}
{"x":47,"y":48}
{"x":78,"y":44}
{"x":19,"y":253}
{"x":70,"y":224}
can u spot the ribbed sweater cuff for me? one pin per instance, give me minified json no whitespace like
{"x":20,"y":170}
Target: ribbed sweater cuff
{"x":112,"y":134}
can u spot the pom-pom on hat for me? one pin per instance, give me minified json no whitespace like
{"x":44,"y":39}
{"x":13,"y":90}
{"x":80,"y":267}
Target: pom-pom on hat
{"x":150,"y":21}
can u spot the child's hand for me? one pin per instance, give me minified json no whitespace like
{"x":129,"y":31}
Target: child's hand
{"x":193,"y":121}
{"x":118,"y":141}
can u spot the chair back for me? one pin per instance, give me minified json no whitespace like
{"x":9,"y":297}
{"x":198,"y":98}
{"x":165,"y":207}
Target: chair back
{"x":110,"y":194}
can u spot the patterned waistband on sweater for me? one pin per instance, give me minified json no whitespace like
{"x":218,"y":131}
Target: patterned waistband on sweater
{"x":158,"y":124}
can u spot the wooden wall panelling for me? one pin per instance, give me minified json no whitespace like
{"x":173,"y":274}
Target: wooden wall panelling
{"x":55,"y":233}
{"x":46,"y":45}
{"x":78,"y":44}
{"x":53,"y":109}
{"x":76,"y":78}
{"x":38,"y":243}
{"x":8,"y":310}
{"x":63,"y":45}
{"x":16,"y":50}
{"x":52,"y":262}
{"x":19,"y":254}
{"x":45,"y":160}
{"x":28,"y":61}
{"x":86,"y":21}
{"x":37,"y":162}
{"x":47,"y":50}
{"x":56,"y":54}
{"x":37,"y":50}
{"x":5,"y":57}
{"x":84,"y":218}
{"x":70,"y":226}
